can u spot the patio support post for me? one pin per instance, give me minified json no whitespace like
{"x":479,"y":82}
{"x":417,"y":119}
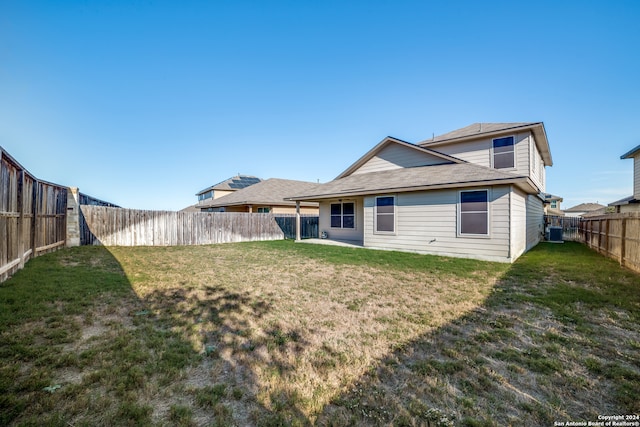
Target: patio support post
{"x":297,"y":221}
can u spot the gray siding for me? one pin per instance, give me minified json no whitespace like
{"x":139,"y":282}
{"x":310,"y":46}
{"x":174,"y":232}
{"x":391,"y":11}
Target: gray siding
{"x":518,"y":223}
{"x":481,"y":152}
{"x":342,"y":234}
{"x":426,"y":222}
{"x":537,"y":171}
{"x":395,"y":156}
{"x":535,"y":220}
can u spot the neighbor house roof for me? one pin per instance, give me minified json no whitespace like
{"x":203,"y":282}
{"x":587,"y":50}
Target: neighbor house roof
{"x":413,"y":179}
{"x":550,"y":197}
{"x":630,"y":154}
{"x":265,"y":193}
{"x":237,"y":182}
{"x":585,"y":207}
{"x":625,"y":201}
{"x":476,"y":130}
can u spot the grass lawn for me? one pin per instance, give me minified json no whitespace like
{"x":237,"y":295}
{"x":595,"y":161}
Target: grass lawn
{"x":277,"y":333}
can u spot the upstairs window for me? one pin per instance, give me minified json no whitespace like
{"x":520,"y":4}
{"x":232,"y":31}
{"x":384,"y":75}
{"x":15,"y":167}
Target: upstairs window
{"x":503,"y":153}
{"x":343,"y":215}
{"x":385,"y":214}
{"x":474,"y":213}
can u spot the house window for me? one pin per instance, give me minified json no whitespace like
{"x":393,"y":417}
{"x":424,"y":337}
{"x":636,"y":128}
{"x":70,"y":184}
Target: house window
{"x":503,"y":153}
{"x":474,"y":213}
{"x":264,"y":210}
{"x":343,"y":215}
{"x":385,"y":214}
{"x":554,"y":204}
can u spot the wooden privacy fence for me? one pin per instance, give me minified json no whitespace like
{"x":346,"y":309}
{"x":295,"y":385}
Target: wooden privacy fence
{"x":100,"y":225}
{"x":308,"y":225}
{"x":616,"y":236}
{"x":32,"y":216}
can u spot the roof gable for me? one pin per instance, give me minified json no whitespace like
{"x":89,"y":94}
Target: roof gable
{"x":421,"y":156}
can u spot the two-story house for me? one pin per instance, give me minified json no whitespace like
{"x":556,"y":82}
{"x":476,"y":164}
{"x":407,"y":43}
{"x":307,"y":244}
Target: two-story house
{"x":631,"y":203}
{"x":224,"y":188}
{"x":477,"y":192}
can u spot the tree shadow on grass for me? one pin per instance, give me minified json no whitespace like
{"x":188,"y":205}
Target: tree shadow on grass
{"x":223,"y":328}
{"x":79,"y":346}
{"x":525,"y":357}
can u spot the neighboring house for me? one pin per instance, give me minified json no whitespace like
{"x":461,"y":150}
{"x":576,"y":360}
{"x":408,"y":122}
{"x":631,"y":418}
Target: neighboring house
{"x":225,"y":187}
{"x":552,"y":205}
{"x":585,"y":209}
{"x":263,"y":197}
{"x":631,"y":203}
{"x":476,"y":192}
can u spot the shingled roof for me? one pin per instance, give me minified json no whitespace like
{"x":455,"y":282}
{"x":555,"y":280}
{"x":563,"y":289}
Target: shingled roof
{"x":413,"y":179}
{"x":268,"y":192}
{"x":237,"y":182}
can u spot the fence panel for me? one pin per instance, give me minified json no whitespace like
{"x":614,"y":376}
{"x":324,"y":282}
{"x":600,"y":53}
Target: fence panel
{"x":308,"y":226}
{"x":616,"y":236}
{"x":109,"y":226}
{"x":32,"y":216}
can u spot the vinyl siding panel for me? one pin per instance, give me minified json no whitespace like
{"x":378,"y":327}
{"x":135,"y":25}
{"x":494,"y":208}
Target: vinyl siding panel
{"x":427,"y":222}
{"x":480,"y":152}
{"x":537,"y":171}
{"x":535,"y":220}
{"x":342,"y":234}
{"x":395,"y":156}
{"x":518,"y":223}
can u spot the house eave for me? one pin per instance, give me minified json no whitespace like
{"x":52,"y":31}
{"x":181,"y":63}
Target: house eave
{"x":631,"y":154}
{"x":287,"y":203}
{"x":523,"y":183}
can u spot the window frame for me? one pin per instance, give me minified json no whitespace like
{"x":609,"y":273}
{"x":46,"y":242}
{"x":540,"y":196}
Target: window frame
{"x":342,"y":215}
{"x":394,"y":214}
{"x":263,"y":209}
{"x":493,"y":152}
{"x":488,"y":213}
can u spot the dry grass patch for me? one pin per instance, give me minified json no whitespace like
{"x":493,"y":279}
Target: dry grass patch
{"x":284,"y":334}
{"x":295,"y":332}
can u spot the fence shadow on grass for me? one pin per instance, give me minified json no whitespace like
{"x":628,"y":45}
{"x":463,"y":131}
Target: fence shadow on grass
{"x":545,"y":346}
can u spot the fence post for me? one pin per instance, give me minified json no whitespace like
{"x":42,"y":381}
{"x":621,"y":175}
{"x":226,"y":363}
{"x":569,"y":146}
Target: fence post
{"x":73,"y":217}
{"x":623,"y":240}
{"x":20,"y":195}
{"x":606,"y":237}
{"x":34,"y":217}
{"x":297,"y":221}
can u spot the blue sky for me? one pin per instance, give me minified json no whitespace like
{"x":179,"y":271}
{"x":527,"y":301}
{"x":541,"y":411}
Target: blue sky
{"x":144,"y":103}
